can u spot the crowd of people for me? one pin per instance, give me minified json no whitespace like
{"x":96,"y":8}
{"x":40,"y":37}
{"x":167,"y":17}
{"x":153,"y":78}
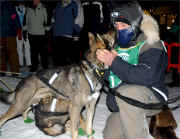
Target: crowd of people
{"x":24,"y":33}
{"x":30,"y":31}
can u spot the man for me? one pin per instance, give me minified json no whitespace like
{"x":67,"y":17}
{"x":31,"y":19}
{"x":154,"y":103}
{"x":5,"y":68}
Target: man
{"x":136,"y":69}
{"x":23,"y":46}
{"x":9,"y":29}
{"x":36,"y":23}
{"x":63,"y":28}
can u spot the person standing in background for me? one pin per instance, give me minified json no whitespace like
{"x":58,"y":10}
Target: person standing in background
{"x":23,"y":46}
{"x":77,"y":50}
{"x":9,"y":29}
{"x":63,"y":27}
{"x":35,"y":24}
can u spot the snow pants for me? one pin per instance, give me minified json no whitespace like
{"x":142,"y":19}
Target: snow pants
{"x":131,"y":122}
{"x":23,"y":48}
{"x":8,"y":54}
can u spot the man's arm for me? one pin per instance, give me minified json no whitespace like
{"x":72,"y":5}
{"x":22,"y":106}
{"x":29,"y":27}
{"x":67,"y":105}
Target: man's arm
{"x":151,"y":64}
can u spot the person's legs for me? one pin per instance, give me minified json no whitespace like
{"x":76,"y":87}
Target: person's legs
{"x":68,"y":51}
{"x":3,"y":60}
{"x":134,"y":119}
{"x":61,"y":51}
{"x":27,"y":52}
{"x":75,"y":53}
{"x":43,"y":50}
{"x":84,"y":42}
{"x":12,"y":54}
{"x":113,"y":128}
{"x":56,"y":51}
{"x":20,"y":51}
{"x":34,"y":52}
{"x":133,"y":122}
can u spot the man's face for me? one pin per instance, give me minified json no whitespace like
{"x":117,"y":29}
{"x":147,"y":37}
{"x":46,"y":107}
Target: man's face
{"x":121,"y":25}
{"x":36,"y":2}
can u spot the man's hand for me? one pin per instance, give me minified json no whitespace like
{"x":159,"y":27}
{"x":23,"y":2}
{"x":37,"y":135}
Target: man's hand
{"x":106,"y":56}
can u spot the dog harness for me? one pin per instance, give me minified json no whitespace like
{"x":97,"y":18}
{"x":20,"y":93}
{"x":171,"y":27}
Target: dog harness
{"x":130,"y":55}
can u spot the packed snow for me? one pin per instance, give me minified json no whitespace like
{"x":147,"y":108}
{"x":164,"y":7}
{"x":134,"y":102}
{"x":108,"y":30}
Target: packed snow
{"x":17,"y":129}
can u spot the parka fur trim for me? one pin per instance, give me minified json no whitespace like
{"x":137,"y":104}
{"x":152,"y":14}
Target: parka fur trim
{"x":150,"y":28}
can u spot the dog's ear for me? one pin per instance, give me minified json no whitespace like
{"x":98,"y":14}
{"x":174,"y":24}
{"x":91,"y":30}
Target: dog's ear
{"x":109,"y":37}
{"x":91,"y":39}
{"x":100,"y":42}
{"x":99,"y":38}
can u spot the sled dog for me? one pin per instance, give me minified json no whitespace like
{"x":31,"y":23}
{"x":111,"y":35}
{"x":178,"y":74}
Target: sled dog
{"x":77,"y":82}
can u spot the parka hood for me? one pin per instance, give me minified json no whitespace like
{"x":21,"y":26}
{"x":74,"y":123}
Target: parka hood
{"x":150,"y":28}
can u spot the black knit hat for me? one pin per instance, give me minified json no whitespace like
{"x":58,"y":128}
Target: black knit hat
{"x":128,"y":11}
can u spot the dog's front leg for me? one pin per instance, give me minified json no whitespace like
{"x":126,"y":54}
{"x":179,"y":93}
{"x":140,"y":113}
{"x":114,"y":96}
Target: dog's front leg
{"x":11,"y":113}
{"x":90,"y":108}
{"x":74,"y":118}
{"x":25,"y":113}
{"x":82,"y":122}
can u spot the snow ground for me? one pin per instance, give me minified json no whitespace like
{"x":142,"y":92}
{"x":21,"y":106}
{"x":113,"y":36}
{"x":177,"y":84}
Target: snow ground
{"x":17,"y":129}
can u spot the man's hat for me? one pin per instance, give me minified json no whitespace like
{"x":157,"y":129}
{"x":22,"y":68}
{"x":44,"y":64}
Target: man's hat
{"x":128,"y":11}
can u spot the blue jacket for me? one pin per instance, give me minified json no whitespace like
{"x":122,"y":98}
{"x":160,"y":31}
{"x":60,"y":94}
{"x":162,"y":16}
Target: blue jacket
{"x":64,"y":19}
{"x":9,"y":21}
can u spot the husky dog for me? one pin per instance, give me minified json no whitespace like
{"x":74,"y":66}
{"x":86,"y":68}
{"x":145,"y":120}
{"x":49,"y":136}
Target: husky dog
{"x":52,"y":117}
{"x":77,"y":82}
{"x":163,"y":125}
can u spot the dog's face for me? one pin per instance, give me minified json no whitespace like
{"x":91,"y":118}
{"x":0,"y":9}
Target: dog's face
{"x":95,"y":43}
{"x":99,"y":42}
{"x":109,"y":38}
{"x":52,"y":125}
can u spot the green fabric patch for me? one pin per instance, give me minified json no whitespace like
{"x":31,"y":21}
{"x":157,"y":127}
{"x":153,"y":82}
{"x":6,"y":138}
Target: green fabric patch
{"x":130,"y":55}
{"x":81,"y":132}
{"x":28,"y":120}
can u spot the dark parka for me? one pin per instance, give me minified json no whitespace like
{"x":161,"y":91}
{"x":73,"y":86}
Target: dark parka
{"x":150,"y":70}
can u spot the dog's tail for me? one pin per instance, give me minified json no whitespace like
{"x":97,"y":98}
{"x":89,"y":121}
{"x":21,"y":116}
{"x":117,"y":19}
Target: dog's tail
{"x":7,"y":97}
